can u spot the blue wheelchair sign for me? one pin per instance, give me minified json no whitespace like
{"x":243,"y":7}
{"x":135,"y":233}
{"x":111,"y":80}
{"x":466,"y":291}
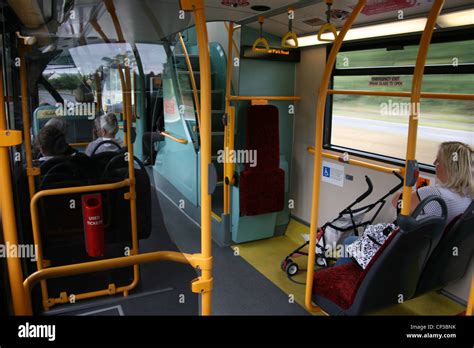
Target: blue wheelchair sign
{"x":327,"y":172}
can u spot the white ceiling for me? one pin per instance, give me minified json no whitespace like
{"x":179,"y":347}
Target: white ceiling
{"x":152,"y":20}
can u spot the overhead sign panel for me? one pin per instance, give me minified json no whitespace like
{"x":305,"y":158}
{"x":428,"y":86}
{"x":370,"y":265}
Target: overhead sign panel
{"x":274,"y":54}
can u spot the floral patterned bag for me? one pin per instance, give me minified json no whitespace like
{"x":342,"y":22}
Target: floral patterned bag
{"x":364,"y":248}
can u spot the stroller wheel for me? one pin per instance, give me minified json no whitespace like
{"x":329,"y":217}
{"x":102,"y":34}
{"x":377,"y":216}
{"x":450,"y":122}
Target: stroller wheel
{"x":291,"y":268}
{"x":321,"y":262}
{"x":283,"y":265}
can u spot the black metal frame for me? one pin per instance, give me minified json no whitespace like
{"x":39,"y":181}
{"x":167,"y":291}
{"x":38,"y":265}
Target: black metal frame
{"x":348,"y":210}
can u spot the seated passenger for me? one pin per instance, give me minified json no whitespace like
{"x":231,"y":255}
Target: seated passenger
{"x":108,"y":130}
{"x":454,"y":181}
{"x":61,"y":125}
{"x":454,"y":184}
{"x":52,"y":143}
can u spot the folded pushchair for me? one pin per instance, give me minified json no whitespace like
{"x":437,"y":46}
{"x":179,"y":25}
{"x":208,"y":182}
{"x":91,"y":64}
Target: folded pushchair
{"x":350,"y":221}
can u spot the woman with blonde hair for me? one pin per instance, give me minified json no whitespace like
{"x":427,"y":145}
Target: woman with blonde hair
{"x":454,"y":181}
{"x":454,"y":184}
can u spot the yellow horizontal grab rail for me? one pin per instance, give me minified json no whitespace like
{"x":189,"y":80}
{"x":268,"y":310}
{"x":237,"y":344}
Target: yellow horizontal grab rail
{"x":102,"y":265}
{"x":454,"y":96}
{"x":178,"y":140}
{"x":78,"y":144}
{"x":359,"y":163}
{"x":79,"y":189}
{"x":242,"y":98}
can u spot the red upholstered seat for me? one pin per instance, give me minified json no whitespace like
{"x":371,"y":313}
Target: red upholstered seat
{"x":262,"y":184}
{"x":340,"y":284}
{"x":262,"y":192}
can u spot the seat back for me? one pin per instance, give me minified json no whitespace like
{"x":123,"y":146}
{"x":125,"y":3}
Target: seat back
{"x":262,"y":184}
{"x":392,"y":276}
{"x":62,"y":224}
{"x":451,"y":257}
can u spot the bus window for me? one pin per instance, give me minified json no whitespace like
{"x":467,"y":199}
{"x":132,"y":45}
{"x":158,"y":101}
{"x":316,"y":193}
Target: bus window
{"x":378,"y":125}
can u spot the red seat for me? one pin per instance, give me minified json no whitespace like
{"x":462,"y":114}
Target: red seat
{"x":262,"y":184}
{"x":393,"y":273}
{"x":340,"y":284}
{"x":262,"y":192}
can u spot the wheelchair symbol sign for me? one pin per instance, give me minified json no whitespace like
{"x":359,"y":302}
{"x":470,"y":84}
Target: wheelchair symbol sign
{"x":327,"y":172}
{"x":333,"y":173}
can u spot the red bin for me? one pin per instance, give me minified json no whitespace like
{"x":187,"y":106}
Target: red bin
{"x":93,"y":224}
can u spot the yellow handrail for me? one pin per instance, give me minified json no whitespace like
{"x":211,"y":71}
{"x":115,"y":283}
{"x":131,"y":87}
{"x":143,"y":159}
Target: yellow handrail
{"x":470,"y":303}
{"x":30,"y":171}
{"x":102,"y":265}
{"x":359,"y":163}
{"x":198,"y":7}
{"x":320,"y":108}
{"x":290,"y":35}
{"x":229,"y":127}
{"x":415,"y":99}
{"x":454,"y":96}
{"x":78,"y":144}
{"x":261,"y":40}
{"x":193,"y":80}
{"x":276,"y":98}
{"x":132,"y":194}
{"x":7,"y":210}
{"x":328,"y":25}
{"x":325,"y":28}
{"x":35,"y":219}
{"x":237,"y":51}
{"x":172,"y":137}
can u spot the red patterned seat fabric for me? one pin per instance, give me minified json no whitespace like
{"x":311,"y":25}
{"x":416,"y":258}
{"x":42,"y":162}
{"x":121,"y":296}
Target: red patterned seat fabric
{"x":262,"y":186}
{"x":340,"y":284}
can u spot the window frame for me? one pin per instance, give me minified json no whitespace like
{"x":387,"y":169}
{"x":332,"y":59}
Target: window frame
{"x":446,"y":35}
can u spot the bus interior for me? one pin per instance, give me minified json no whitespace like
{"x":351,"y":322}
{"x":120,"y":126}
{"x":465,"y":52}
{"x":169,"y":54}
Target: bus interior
{"x":236,"y":144}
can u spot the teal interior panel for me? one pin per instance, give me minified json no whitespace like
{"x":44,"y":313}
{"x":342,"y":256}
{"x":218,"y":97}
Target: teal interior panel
{"x":177,"y":162}
{"x":250,"y":228}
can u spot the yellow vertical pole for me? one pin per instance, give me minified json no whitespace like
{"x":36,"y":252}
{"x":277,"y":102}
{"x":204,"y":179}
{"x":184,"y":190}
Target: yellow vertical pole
{"x":127,"y":109}
{"x":131,"y":174}
{"x":26,"y":119}
{"x":228,"y":129}
{"x":415,"y":99}
{"x":15,"y":272}
{"x":191,"y":75}
{"x":205,"y":67}
{"x":318,"y":149}
{"x":470,"y":303}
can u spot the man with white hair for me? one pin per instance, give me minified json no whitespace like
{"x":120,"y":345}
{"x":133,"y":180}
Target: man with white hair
{"x":107,"y":131}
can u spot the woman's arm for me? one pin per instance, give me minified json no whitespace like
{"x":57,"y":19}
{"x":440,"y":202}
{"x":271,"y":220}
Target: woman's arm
{"x":415,"y":200}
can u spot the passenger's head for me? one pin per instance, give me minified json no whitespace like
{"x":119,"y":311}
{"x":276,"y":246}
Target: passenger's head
{"x":454,"y":166}
{"x":59,"y":123}
{"x":108,"y":125}
{"x":52,"y":141}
